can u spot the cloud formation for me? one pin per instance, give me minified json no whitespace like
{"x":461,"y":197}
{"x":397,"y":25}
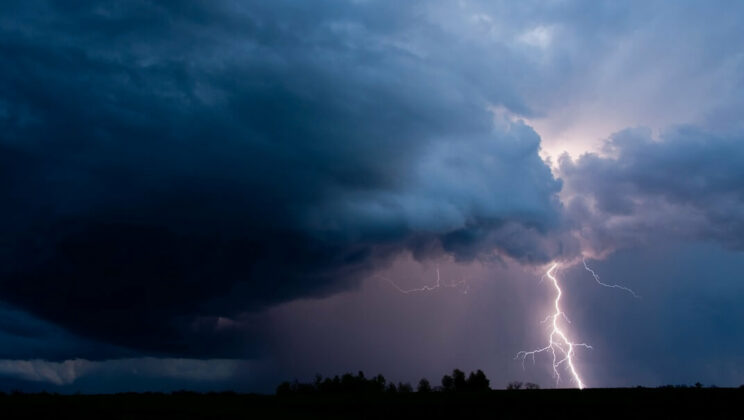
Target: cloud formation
{"x":683,"y":185}
{"x":167,"y":167}
{"x":69,"y":371}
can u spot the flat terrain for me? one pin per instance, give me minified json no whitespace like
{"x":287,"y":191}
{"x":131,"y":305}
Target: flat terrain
{"x":629,"y":403}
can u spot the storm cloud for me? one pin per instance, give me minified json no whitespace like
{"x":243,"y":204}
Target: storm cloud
{"x":685,"y":184}
{"x":166,"y":167}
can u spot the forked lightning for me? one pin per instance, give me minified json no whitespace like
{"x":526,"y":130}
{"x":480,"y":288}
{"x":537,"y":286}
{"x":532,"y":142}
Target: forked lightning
{"x":559,"y":345}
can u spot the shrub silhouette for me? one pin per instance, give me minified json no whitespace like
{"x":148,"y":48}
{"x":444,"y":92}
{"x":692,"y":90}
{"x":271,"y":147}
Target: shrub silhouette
{"x":514,"y":385}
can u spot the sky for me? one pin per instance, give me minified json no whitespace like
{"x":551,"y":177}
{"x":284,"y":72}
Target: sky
{"x":224,"y":195}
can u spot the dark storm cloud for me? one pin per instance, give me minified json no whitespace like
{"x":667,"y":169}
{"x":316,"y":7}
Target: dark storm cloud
{"x":23,"y":336}
{"x":687,"y":184}
{"x":165,"y":164}
{"x":123,"y":375}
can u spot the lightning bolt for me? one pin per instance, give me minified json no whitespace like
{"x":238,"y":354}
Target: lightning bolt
{"x":611,"y":286}
{"x":559,"y":345}
{"x":428,"y":288}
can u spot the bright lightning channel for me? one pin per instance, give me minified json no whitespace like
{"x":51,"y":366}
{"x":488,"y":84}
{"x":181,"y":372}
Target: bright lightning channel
{"x":559,"y":345}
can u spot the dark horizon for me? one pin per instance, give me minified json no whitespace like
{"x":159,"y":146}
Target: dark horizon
{"x":530,"y":403}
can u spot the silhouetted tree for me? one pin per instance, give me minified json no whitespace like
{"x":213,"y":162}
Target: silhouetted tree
{"x":458,"y":378}
{"x":284,"y":388}
{"x":404,"y":388}
{"x":514,"y":385}
{"x":391,"y":389}
{"x":347,"y":382}
{"x":379,"y":383}
{"x":304,"y":389}
{"x":530,"y":385}
{"x":448,"y":384}
{"x":477,"y":381}
{"x":424,"y":385}
{"x":327,"y":386}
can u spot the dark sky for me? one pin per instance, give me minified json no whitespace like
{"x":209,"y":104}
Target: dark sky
{"x":224,"y":195}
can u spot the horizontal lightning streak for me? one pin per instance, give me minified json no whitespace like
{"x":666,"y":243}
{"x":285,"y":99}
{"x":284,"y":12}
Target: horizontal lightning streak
{"x":428,"y":288}
{"x":611,"y":286}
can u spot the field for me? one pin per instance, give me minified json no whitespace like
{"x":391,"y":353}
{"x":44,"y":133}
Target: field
{"x":630,"y":403}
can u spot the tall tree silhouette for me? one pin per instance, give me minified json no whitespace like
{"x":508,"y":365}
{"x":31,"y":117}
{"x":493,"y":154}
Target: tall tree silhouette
{"x":424,"y":385}
{"x":458,"y":377}
{"x":477,"y":381}
{"x":448,"y":384}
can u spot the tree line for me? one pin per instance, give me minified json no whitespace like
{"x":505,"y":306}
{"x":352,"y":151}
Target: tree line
{"x":348,"y":383}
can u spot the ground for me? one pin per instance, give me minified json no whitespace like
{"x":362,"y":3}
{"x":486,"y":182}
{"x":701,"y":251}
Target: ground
{"x":548,"y":404}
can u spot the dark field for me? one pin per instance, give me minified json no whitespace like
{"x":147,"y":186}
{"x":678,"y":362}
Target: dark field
{"x":630,"y":403}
